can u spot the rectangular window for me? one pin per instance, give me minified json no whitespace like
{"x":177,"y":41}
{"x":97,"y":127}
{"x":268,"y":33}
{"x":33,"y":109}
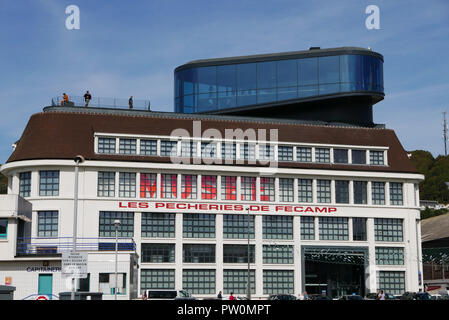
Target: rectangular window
{"x":396,"y":198}
{"x":278,"y":281}
{"x":235,"y":226}
{"x":389,"y":256}
{"x":323,"y":189}
{"x":360,"y":192}
{"x":169,"y":186}
{"x":148,"y":185}
{"x":305,"y":190}
{"x":188,"y":149}
{"x":248,"y":151}
{"x":303,"y":154}
{"x":390,"y":230}
{"x":189,"y":186}
{"x":106,"y":145}
{"x":286,"y":189}
{"x":235,"y":281}
{"x":228,"y":151}
{"x":198,"y":225}
{"x":285,"y":153}
{"x":107,"y":226}
{"x":228,"y":188}
{"x":148,"y":147}
{"x":107,"y":283}
{"x":340,"y":155}
{"x":157,"y":279}
{"x":127,"y":184}
{"x":158,"y":253}
{"x":378,"y":192}
{"x":209,"y":150}
{"x":277,"y":227}
{"x":209,"y":187}
{"x":333,"y":228}
{"x":277,"y":254}
{"x":127,"y":146}
{"x":25,"y":184}
{"x":158,"y":225}
{"x":391,"y":281}
{"x":198,"y":253}
{"x":47,"y":224}
{"x":322,"y":155}
{"x":106,"y":184}
{"x":3,"y":228}
{"x":199,"y":281}
{"x":49,"y":183}
{"x":341,"y":191}
{"x":358,"y":157}
{"x":359,"y":229}
{"x":307,"y":228}
{"x":238,"y":253}
{"x":267,"y":190}
{"x":266,"y":152}
{"x":376,"y":157}
{"x":248,"y":188}
{"x":169,"y":148}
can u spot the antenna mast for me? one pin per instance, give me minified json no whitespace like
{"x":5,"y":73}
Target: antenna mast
{"x":445,"y":133}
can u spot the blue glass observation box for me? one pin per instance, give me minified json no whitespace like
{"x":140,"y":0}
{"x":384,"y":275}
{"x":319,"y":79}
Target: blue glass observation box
{"x":291,"y":81}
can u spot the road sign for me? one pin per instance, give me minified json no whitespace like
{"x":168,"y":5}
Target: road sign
{"x":42,"y":298}
{"x":74,"y":265}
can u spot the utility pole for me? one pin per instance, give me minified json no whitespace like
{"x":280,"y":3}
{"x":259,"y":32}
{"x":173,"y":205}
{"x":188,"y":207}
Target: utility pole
{"x":445,"y":132}
{"x":78,"y":159}
{"x":248,"y":283}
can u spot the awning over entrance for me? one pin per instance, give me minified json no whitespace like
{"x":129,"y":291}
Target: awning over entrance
{"x":355,"y":256}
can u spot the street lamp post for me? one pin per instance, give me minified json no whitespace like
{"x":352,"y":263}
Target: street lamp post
{"x":116,"y":223}
{"x":248,"y":287}
{"x":78,"y":159}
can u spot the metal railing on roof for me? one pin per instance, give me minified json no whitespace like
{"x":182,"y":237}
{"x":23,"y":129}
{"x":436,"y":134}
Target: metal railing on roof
{"x":57,"y":245}
{"x":102,"y":102}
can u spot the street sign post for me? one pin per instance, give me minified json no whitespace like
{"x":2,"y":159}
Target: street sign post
{"x":74,"y":265}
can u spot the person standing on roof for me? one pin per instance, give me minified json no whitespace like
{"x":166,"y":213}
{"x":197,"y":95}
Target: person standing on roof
{"x":130,"y":102}
{"x":87,"y":98}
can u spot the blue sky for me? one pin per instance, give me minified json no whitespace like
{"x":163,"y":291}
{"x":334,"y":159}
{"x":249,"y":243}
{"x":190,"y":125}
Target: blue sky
{"x":131,"y":47}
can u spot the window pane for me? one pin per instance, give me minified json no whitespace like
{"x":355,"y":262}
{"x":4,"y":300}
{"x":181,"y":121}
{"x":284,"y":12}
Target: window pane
{"x":308,"y":71}
{"x":287,"y":73}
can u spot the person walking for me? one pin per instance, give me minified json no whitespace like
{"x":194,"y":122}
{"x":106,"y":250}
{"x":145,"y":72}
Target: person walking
{"x":381,"y":295}
{"x":219,"y":296}
{"x":130,"y":102}
{"x":231,"y":297}
{"x":87,"y":98}
{"x":305,"y":295}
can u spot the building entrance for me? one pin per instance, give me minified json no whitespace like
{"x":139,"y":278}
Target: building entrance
{"x":334,"y":272}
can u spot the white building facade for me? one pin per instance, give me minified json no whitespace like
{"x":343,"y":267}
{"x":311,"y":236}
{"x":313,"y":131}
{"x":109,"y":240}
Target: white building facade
{"x":330,"y":215}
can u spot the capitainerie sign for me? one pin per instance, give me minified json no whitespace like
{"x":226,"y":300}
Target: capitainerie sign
{"x":214,"y":207}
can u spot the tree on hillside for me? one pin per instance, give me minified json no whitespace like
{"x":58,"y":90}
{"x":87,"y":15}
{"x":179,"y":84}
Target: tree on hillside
{"x":436,"y":172}
{"x":423,"y":160}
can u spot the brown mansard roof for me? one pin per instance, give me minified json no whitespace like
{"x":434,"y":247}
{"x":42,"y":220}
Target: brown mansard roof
{"x":63,"y":133}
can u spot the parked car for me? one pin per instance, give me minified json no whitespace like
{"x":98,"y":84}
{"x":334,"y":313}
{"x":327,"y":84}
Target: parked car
{"x":168,"y":295}
{"x":437,"y":296}
{"x":282,"y":297}
{"x":351,"y":297}
{"x":374,"y":296}
{"x":415,"y":296}
{"x":318,"y":297}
